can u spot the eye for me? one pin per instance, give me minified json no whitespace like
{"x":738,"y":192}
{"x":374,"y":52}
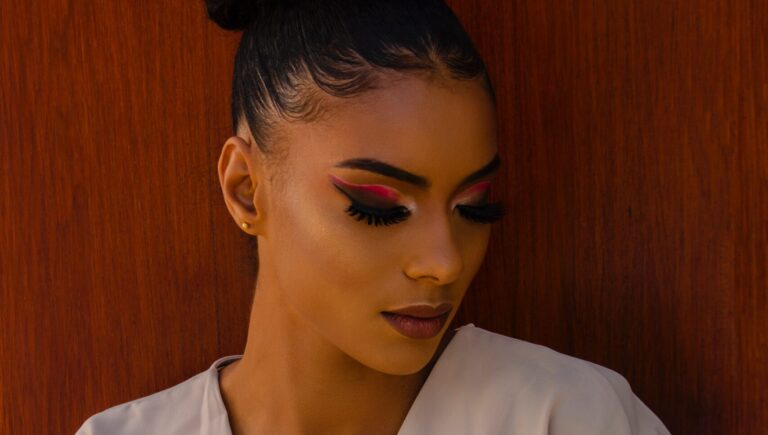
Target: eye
{"x":374,"y":216}
{"x":484,"y":214}
{"x":377,"y":216}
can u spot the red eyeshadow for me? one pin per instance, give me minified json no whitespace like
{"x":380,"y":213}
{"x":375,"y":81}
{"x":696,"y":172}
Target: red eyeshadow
{"x":479,"y":187}
{"x":376,"y":190}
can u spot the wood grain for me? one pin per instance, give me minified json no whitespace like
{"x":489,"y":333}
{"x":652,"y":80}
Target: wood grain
{"x":634,"y":144}
{"x":123,"y":272}
{"x":637,"y":162}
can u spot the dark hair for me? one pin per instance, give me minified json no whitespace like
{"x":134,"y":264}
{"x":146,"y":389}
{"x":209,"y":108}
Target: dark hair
{"x":290,"y":48}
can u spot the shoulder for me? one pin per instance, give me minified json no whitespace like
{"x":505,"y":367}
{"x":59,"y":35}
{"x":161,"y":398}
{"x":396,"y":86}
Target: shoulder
{"x":512,"y":360}
{"x":185,"y":408}
{"x":524,"y":387}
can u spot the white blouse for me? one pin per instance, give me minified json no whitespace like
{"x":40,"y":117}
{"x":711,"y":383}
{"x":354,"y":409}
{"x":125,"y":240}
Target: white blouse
{"x":483,"y":383}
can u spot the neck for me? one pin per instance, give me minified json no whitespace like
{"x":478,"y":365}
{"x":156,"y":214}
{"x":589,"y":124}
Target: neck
{"x":292,"y":380}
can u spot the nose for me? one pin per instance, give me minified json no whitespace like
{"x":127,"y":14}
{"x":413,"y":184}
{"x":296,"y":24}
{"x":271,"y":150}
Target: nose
{"x":434,"y":253}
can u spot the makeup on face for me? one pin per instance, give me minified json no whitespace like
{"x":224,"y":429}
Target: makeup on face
{"x":378,"y":195}
{"x":383,"y":205}
{"x":416,"y":327}
{"x":480,"y":190}
{"x":375,"y":195}
{"x":391,"y":171}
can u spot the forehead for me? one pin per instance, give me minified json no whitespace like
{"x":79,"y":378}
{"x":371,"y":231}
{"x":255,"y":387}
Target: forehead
{"x":442,"y":129}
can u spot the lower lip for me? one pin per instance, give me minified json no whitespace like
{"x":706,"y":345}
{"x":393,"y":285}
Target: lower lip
{"x":416,"y":327}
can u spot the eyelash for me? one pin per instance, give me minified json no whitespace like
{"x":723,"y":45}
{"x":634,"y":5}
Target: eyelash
{"x":484,"y":214}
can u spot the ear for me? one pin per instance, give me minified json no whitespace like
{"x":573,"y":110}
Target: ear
{"x":239,"y":177}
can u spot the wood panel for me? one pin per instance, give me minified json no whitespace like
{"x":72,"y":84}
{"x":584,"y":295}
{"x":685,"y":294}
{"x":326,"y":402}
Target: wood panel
{"x":122,"y":271}
{"x":634,"y":139}
{"x":637,"y":162}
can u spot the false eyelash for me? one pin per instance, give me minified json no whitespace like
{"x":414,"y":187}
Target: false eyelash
{"x":376,"y":216}
{"x":484,"y":214}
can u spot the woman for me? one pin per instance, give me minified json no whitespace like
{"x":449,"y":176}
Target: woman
{"x":364,"y":150}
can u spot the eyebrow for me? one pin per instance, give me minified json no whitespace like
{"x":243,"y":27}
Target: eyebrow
{"x":382,"y":168}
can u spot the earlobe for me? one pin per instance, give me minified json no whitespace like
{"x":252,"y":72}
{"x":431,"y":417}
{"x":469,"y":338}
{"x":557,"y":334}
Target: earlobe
{"x":238,"y":180}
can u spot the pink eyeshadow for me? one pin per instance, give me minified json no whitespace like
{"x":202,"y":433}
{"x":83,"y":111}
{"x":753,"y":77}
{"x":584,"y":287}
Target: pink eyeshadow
{"x":377,"y":190}
{"x":481,"y":186}
{"x":472,"y":192}
{"x":388,"y":194}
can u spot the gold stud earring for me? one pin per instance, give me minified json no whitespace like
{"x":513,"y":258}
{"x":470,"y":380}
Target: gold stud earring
{"x":245,"y":225}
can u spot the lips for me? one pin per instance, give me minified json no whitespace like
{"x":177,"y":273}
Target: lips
{"x":423,"y":311}
{"x":419,"y":321}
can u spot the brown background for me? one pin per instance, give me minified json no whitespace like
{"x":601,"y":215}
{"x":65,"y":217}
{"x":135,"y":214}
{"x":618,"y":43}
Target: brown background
{"x":634,"y":136}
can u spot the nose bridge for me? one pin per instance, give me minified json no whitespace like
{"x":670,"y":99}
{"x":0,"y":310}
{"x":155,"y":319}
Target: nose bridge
{"x":435,"y":253}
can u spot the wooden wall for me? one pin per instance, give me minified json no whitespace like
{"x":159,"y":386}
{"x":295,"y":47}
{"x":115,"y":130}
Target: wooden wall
{"x":635,"y":142}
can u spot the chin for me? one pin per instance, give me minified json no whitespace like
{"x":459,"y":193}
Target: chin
{"x":404,"y":359}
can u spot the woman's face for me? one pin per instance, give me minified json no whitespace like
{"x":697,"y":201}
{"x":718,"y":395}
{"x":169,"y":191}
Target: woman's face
{"x":337,"y":273}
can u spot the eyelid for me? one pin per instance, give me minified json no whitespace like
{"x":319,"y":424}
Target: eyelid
{"x":471,"y":191}
{"x":377,"y":190}
{"x":393,"y":197}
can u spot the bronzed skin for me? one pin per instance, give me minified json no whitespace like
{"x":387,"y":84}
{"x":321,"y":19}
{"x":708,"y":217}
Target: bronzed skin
{"x":320,"y":358}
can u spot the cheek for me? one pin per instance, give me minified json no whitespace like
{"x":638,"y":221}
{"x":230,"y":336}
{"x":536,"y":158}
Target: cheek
{"x":473,"y":241}
{"x":324,"y":265}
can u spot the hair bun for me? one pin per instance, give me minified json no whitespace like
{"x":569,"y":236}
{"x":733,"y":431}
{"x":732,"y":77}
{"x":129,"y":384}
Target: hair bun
{"x":232,"y":14}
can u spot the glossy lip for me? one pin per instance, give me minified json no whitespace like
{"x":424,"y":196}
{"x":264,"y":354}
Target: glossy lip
{"x":423,"y":311}
{"x":416,"y":327}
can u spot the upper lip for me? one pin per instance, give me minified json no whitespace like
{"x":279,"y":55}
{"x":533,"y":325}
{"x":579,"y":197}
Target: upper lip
{"x":424,"y":311}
